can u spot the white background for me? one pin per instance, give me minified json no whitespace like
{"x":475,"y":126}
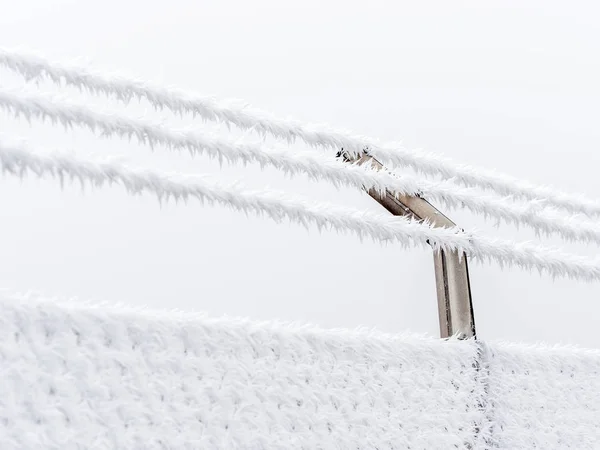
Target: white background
{"x":509,"y":85}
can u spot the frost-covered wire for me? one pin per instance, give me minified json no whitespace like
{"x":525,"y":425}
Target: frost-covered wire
{"x":316,"y":166}
{"x":17,"y":159}
{"x":126,"y":89}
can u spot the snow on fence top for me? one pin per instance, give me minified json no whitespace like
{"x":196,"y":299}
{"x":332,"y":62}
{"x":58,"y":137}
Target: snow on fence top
{"x":81,"y":376}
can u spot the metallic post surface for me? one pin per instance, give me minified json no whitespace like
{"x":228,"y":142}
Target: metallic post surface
{"x":455,"y":305}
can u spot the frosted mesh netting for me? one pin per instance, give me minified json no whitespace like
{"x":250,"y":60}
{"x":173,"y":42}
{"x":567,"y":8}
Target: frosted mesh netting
{"x":543,"y":397}
{"x":79,"y":376}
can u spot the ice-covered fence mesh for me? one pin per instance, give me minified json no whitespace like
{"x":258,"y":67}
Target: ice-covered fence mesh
{"x":100,"y":377}
{"x":79,"y":376}
{"x":544,"y":397}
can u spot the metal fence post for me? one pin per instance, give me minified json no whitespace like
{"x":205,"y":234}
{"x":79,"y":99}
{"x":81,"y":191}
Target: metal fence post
{"x":455,"y":305}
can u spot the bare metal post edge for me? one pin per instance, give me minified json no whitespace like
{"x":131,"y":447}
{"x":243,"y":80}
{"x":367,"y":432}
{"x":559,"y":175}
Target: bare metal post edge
{"x":455,"y":305}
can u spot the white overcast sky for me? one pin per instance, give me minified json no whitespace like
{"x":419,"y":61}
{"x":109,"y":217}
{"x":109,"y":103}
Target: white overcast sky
{"x":509,"y":85}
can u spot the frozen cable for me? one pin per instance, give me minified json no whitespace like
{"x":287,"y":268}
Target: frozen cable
{"x":125,"y":89}
{"x":17,"y":159}
{"x":316,"y":166}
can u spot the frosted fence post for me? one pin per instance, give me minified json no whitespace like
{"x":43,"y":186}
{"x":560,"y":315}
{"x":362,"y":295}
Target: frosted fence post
{"x":455,"y":304}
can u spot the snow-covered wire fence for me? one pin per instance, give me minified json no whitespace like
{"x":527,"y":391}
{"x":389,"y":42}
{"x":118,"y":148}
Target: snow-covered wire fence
{"x":315,"y":165}
{"x":125,"y":89}
{"x":78,"y":374}
{"x":17,"y":159}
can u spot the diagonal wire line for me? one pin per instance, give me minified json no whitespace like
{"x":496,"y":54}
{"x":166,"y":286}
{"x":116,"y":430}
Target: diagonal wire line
{"x":17,"y":159}
{"x":126,"y":89}
{"x":315,"y":165}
